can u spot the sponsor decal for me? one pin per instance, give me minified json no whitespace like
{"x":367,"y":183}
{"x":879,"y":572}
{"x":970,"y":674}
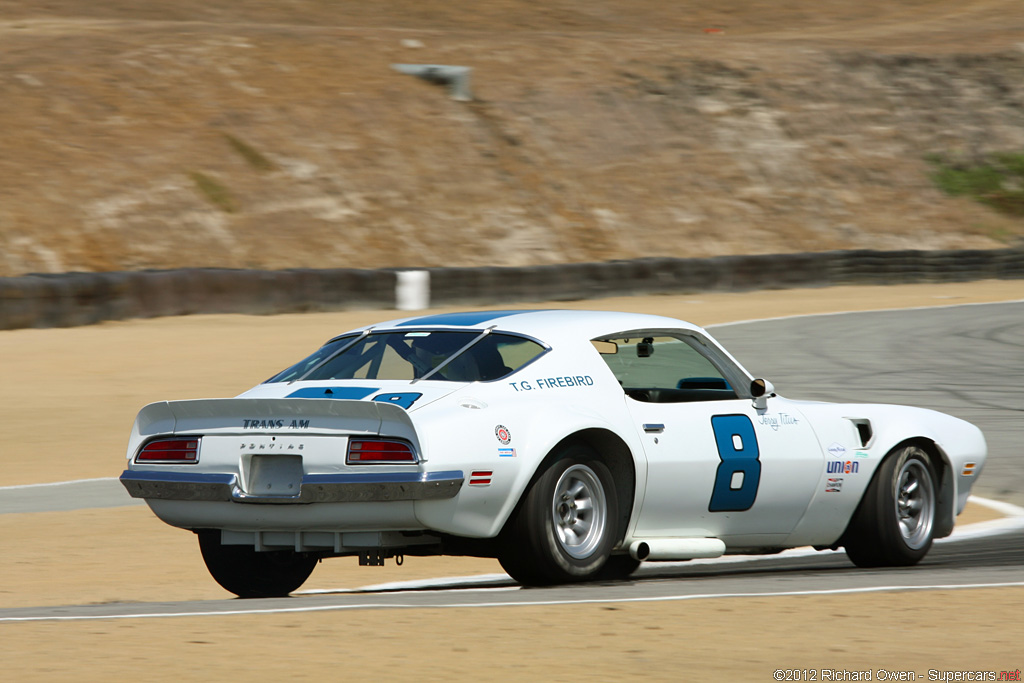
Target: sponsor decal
{"x":842,"y":467}
{"x":834,"y":485}
{"x":275,"y":424}
{"x":776,"y":421}
{"x":861,"y":454}
{"x":564,"y":382}
{"x":837,"y":449}
{"x":506,"y":452}
{"x":503,"y":435}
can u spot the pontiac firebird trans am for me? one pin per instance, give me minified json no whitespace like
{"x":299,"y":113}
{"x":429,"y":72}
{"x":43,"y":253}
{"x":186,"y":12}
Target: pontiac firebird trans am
{"x":570,"y":445}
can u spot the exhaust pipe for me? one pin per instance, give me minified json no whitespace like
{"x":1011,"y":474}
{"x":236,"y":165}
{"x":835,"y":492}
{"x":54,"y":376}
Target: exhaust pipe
{"x":666,"y":549}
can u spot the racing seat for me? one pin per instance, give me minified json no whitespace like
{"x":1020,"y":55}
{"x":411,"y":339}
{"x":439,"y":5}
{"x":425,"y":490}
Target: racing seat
{"x":462,"y":369}
{"x":489,"y":361}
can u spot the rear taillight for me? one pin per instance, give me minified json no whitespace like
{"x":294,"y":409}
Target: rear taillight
{"x":170,"y":450}
{"x":373,"y":451}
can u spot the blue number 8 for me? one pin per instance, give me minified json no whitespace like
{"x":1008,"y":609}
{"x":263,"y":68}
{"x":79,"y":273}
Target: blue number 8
{"x":739,"y":473}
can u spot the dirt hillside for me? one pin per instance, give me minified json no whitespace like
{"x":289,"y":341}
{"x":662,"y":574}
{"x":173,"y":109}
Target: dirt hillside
{"x":277,"y":134}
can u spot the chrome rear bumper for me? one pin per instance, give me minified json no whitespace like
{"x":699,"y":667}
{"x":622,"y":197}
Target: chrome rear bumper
{"x":315,"y":488}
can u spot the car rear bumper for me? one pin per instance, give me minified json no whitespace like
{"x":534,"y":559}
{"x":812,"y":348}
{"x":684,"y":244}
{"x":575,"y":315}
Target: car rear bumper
{"x":314,"y":488}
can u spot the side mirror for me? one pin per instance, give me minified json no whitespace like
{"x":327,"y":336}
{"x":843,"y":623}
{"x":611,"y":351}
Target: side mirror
{"x":761,"y":390}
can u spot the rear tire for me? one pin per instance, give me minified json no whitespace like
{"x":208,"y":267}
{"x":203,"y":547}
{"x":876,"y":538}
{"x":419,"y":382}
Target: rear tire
{"x":241,"y":570}
{"x":894,"y":524}
{"x":564,"y":528}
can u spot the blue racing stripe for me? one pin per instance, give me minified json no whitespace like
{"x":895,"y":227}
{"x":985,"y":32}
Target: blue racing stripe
{"x":465,"y":319}
{"x":333,"y":392}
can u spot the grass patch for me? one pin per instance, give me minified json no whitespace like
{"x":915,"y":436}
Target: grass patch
{"x":996,"y":180}
{"x":251,"y":155}
{"x":214,"y":192}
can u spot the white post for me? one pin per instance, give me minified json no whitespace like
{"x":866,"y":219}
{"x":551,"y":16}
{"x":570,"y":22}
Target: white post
{"x":412,"y":290}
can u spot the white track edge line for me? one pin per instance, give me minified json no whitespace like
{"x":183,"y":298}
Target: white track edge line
{"x":870,"y":310}
{"x":1008,"y":509}
{"x":528,"y":603}
{"x":1012,"y":521}
{"x":56,"y":483}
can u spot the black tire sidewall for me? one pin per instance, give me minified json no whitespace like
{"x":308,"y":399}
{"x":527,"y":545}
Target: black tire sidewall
{"x":250,"y":574}
{"x":874,"y":538}
{"x":555,"y":563}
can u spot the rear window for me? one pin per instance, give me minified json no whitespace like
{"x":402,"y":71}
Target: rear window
{"x":416,"y":354}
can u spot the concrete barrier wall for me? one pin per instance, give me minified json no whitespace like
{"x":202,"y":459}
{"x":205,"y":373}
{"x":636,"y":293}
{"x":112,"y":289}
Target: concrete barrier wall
{"x":71,"y":299}
{"x":468,"y":286}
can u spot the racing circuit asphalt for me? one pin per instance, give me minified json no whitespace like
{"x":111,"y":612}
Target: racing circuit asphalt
{"x":964,"y":360}
{"x":990,"y":561}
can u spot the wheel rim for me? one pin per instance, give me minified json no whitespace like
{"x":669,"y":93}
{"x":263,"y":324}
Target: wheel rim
{"x":579,"y":511}
{"x":915,"y":503}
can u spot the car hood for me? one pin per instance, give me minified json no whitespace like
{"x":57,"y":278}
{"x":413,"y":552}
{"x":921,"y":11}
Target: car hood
{"x":408,"y":395}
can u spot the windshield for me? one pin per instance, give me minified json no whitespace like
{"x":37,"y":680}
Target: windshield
{"x":417,"y":354}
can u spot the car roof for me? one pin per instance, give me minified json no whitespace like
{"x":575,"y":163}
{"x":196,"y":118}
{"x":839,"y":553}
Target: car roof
{"x":549,"y":325}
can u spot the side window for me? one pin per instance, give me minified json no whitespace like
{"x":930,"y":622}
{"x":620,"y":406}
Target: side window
{"x":663,"y":369}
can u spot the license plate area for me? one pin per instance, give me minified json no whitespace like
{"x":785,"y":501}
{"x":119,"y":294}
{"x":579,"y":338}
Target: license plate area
{"x":274,"y":475}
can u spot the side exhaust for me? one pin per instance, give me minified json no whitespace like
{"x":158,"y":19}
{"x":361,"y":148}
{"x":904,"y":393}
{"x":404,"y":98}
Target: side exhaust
{"x":666,"y":549}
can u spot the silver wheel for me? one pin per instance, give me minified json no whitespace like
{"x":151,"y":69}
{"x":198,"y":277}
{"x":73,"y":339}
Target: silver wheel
{"x":915,"y":503}
{"x":894,"y":524}
{"x":563,"y":529}
{"x":579,"y":511}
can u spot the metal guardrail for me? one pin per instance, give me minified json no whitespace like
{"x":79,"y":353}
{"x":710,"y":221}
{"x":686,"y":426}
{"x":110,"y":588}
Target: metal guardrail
{"x":71,"y":299}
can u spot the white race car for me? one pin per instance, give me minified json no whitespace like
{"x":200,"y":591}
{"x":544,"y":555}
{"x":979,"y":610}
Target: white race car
{"x":570,"y":445}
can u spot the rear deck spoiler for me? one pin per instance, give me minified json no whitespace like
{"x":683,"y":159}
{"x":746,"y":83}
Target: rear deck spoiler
{"x":270,"y":416}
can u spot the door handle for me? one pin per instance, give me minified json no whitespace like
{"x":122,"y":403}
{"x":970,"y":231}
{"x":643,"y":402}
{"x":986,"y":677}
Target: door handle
{"x":654,"y":428}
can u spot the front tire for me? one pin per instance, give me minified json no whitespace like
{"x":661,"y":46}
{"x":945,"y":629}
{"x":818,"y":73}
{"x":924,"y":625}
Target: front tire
{"x":894,"y":524}
{"x":241,"y":570}
{"x":564,"y":528}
